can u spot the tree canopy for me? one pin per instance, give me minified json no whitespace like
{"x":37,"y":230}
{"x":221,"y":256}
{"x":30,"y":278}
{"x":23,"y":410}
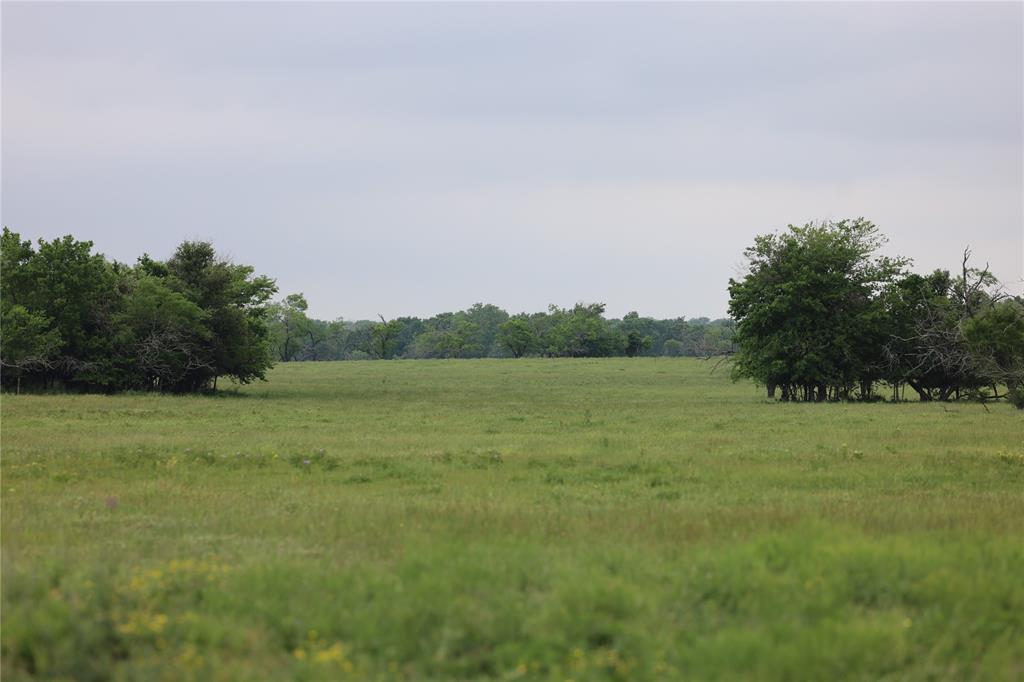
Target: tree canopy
{"x":821,"y":315}
{"x":73,"y":319}
{"x":485,"y":330}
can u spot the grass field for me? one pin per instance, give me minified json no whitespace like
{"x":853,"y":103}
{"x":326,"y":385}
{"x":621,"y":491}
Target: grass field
{"x":534,"y":519}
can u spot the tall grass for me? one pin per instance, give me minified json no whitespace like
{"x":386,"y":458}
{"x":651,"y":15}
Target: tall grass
{"x":541,"y":519}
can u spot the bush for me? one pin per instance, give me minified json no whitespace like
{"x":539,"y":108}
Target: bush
{"x":673,"y":348}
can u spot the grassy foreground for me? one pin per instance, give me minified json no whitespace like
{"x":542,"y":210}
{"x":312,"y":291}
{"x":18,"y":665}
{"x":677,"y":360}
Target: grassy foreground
{"x":534,"y":519}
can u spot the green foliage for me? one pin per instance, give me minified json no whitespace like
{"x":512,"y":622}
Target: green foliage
{"x":995,"y":339}
{"x":635,"y":343}
{"x":674,"y":348}
{"x":75,"y":320}
{"x":15,"y":276}
{"x":234,"y":302}
{"x":955,"y":337}
{"x":28,"y":341}
{"x":821,"y":316}
{"x":582,"y":332}
{"x":485,"y":320}
{"x":411,"y":328}
{"x":913,"y":299}
{"x":471,"y":333}
{"x":517,"y":336}
{"x":383,"y":338}
{"x":484,"y":330}
{"x":288,"y":326}
{"x":164,"y":333}
{"x":440,"y":344}
{"x":809,"y":312}
{"x":638,"y":333}
{"x":75,"y":294}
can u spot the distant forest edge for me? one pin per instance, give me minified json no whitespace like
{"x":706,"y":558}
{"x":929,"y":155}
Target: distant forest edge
{"x":818,"y":316}
{"x":71,"y":319}
{"x":487,"y":331}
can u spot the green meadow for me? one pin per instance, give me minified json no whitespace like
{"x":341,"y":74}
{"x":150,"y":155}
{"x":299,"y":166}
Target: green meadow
{"x":605,"y":519}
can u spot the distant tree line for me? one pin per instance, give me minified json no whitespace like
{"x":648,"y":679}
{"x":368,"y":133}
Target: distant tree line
{"x":485,"y":330}
{"x":72,"y":320}
{"x":821,"y":316}
{"x":818,"y":316}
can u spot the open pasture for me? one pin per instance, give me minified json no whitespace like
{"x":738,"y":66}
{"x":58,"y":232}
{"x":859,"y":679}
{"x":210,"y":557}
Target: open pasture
{"x":509,"y":519}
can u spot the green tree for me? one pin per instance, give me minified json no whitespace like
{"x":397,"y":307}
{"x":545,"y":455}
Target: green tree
{"x":72,"y":318}
{"x":437,"y":344}
{"x":995,"y":338}
{"x":635,"y":343}
{"x":955,"y":337}
{"x":518,"y":336}
{"x":15,"y":278}
{"x":28,"y":342}
{"x":809,"y":314}
{"x":449,"y":335}
{"x":925,"y":349}
{"x":382,"y":338}
{"x":234,"y":303}
{"x":583,"y":332}
{"x":674,"y":348}
{"x":638,"y":333}
{"x":163,"y":336}
{"x":486,"y":320}
{"x":411,"y":327}
{"x":289,"y":329}
{"x":715,"y":337}
{"x":77,"y":293}
{"x":359,"y":340}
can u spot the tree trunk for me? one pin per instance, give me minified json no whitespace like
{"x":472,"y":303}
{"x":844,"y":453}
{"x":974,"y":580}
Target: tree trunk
{"x":771,"y":390}
{"x":865,"y":389}
{"x":923,"y":393}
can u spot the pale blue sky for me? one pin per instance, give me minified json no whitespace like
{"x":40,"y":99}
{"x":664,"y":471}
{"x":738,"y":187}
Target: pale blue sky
{"x":416,"y":158}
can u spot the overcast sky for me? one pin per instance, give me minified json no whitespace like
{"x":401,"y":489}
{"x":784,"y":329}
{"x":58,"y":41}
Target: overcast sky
{"x":413,"y":159}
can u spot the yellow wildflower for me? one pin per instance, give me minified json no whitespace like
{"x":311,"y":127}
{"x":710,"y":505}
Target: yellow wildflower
{"x":333,"y":653}
{"x":158,"y":622}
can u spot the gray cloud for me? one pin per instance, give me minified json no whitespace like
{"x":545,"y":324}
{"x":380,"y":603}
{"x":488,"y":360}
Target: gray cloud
{"x":408,"y":159}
